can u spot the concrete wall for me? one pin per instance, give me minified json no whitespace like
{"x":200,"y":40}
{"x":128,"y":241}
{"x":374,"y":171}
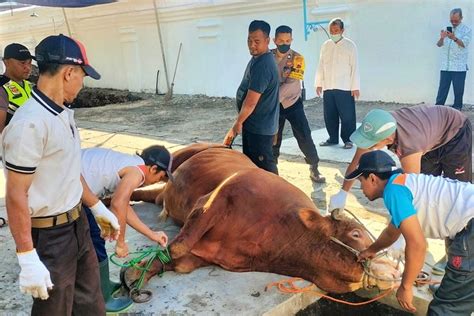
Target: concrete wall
{"x":399,"y":60}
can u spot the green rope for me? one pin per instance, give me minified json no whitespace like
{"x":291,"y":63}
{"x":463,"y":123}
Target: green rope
{"x":153,"y":253}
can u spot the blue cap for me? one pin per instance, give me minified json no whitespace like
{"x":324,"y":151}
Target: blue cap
{"x":60,"y":49}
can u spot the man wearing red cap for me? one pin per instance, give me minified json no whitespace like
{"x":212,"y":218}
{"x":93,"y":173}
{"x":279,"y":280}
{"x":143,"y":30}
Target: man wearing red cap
{"x":16,"y":89}
{"x":42,"y":158}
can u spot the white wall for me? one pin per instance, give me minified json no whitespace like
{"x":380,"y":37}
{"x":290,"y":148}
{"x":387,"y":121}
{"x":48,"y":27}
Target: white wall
{"x":399,"y":60}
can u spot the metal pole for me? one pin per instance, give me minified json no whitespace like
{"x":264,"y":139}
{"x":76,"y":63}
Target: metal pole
{"x":161,"y":44}
{"x":305,"y":21}
{"x":67,"y":22}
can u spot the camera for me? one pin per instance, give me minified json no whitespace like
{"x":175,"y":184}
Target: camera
{"x":449,"y":29}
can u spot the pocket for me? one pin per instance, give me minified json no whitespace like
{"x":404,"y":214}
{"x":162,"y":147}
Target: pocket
{"x":459,"y":256}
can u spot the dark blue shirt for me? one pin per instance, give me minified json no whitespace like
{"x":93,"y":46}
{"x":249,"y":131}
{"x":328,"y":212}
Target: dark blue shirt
{"x":261,"y":75}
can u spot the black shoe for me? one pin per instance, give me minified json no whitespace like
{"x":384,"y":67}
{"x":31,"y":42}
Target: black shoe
{"x":327,"y":143}
{"x":315,"y":175}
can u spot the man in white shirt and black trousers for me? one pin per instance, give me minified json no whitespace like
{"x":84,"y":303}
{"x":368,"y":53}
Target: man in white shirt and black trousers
{"x":337,"y":77}
{"x":42,"y":157}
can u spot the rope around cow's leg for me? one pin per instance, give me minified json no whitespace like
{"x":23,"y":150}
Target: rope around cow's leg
{"x":138,"y":294}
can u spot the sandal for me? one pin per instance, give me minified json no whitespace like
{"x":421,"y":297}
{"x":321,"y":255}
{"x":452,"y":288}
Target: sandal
{"x":348,"y":145}
{"x":327,"y":143}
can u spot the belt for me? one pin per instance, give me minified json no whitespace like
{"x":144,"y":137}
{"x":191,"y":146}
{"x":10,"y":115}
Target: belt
{"x":60,"y":219}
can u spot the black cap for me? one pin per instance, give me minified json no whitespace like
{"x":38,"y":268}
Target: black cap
{"x":160,"y":156}
{"x":17,"y":51}
{"x":60,"y":49}
{"x":376,"y":161}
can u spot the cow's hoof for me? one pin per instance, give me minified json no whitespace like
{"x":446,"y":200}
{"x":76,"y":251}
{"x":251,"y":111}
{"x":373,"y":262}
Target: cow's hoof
{"x":178,"y":249}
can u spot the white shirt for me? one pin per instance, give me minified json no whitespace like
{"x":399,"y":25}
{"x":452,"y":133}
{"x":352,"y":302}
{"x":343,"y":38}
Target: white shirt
{"x":454,"y":57}
{"x":338,"y":66}
{"x":42,"y":139}
{"x":443,"y":206}
{"x":101,"y":167}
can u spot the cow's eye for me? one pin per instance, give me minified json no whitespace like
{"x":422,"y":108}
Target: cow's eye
{"x":356,"y":233}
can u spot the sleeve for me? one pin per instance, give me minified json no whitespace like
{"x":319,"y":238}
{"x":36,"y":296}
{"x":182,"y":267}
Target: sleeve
{"x":260,"y":76}
{"x":466,"y":38}
{"x":22,"y":144}
{"x":3,"y":100}
{"x":319,"y":76}
{"x":398,"y":200}
{"x":355,"y":79}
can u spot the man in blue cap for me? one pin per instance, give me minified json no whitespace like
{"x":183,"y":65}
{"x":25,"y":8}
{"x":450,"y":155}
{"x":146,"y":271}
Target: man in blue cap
{"x":42,"y":158}
{"x":424,"y":206}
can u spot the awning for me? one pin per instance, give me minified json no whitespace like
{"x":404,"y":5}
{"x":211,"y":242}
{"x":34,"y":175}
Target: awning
{"x":65,"y":4}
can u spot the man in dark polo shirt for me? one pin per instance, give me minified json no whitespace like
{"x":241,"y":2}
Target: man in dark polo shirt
{"x":257,"y":100}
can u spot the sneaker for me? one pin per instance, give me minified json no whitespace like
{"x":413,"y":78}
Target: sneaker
{"x":315,"y":175}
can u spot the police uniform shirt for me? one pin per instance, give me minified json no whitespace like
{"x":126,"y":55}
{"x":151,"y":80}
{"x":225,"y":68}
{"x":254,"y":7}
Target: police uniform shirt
{"x":42,"y":139}
{"x":291,"y":72}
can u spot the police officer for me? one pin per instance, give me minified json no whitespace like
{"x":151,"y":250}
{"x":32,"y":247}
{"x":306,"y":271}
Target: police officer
{"x":16,"y":90}
{"x":291,"y":71}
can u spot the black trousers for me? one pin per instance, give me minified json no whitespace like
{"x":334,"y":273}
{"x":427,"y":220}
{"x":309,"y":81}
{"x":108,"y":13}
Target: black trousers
{"x":454,"y":159}
{"x":68,"y":254}
{"x":259,"y":149}
{"x":339,"y":105}
{"x":299,"y":124}
{"x":458,"y":78}
{"x":455,"y":295}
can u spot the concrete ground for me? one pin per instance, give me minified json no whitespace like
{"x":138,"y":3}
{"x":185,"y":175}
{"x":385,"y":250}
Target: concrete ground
{"x":210,"y":290}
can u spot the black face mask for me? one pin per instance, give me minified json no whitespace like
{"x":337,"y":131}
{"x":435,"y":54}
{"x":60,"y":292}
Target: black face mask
{"x":283,"y":48}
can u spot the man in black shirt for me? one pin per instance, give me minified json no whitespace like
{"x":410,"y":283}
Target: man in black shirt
{"x":257,"y":100}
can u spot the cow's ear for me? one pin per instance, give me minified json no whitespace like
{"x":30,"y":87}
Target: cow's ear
{"x":309,"y":217}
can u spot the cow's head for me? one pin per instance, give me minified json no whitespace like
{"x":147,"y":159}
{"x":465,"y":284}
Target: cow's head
{"x":342,"y":273}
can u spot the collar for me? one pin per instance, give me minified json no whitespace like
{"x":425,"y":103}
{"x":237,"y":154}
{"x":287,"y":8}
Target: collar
{"x":46,"y":102}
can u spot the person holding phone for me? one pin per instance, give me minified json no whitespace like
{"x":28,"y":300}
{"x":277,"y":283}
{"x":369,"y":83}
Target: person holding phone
{"x":454,"y":42}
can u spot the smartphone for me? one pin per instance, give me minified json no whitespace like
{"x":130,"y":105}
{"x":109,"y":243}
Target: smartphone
{"x":449,"y":29}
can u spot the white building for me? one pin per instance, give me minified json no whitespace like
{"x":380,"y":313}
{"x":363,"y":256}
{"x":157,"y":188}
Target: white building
{"x":398,"y":57}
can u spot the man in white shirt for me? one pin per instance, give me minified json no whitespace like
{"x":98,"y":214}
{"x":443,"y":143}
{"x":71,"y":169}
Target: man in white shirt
{"x":423,"y":206}
{"x":337,"y":77}
{"x":42,"y":156}
{"x":454,"y":42}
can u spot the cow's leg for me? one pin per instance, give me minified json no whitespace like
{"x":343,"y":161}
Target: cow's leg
{"x":150,"y":196}
{"x":185,"y":264}
{"x":208,"y":211}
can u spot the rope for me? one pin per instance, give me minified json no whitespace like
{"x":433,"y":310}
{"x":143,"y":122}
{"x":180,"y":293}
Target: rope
{"x":153,"y":253}
{"x":288,"y":286}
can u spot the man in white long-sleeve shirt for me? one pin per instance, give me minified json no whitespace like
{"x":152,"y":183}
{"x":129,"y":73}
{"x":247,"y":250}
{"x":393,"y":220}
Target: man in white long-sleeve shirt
{"x":338,"y":76}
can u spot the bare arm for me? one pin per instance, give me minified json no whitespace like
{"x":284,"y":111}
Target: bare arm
{"x":17,"y":209}
{"x":389,"y":235}
{"x":347,"y":184}
{"x":248,"y":107}
{"x":415,"y":249}
{"x":411,"y":163}
{"x":131,"y":179}
{"x":88,"y":197}
{"x":136,"y":223}
{"x":415,"y":255}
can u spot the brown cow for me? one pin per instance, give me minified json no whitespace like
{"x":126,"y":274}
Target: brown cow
{"x":243,"y":218}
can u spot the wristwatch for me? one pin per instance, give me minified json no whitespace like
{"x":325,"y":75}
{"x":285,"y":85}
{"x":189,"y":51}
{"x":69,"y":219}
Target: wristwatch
{"x":456,"y":39}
